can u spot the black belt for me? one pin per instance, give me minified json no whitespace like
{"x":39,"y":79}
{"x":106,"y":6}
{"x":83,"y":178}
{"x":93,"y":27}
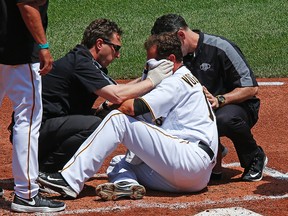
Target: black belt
{"x":207,"y":149}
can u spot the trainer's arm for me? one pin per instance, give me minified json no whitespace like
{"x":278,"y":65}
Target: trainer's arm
{"x":238,"y":95}
{"x":117,"y":94}
{"x":134,"y":81}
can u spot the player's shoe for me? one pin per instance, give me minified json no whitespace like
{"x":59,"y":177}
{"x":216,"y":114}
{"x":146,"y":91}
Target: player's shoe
{"x":36,"y":204}
{"x":47,"y":190}
{"x":57,"y":183}
{"x":255,"y":171}
{"x":114,"y":191}
{"x":1,"y":192}
{"x":44,"y":189}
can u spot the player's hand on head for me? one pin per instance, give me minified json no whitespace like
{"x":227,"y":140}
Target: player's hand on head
{"x":46,"y":61}
{"x":162,"y":71}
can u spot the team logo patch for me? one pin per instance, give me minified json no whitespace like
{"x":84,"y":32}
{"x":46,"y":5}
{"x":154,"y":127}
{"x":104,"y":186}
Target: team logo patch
{"x":205,"y":66}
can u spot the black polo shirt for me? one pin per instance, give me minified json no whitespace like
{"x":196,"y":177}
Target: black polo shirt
{"x":219,"y":65}
{"x":70,"y":87}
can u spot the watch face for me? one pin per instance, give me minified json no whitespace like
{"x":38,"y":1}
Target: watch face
{"x":221,"y":99}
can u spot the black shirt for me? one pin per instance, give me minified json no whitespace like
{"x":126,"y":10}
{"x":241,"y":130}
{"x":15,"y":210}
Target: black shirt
{"x":70,"y":87}
{"x":219,"y":65}
{"x":17,"y":45}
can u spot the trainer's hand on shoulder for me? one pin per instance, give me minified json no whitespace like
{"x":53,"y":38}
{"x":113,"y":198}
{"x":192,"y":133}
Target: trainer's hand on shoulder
{"x":46,"y":61}
{"x":162,"y":71}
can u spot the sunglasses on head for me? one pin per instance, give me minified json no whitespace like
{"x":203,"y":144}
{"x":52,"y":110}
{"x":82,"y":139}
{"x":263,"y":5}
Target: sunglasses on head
{"x":115,"y":47}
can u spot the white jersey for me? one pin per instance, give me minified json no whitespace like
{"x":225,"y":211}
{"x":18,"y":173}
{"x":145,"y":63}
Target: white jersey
{"x":178,"y":105}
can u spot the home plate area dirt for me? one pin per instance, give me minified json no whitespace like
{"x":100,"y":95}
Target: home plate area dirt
{"x":228,"y":196}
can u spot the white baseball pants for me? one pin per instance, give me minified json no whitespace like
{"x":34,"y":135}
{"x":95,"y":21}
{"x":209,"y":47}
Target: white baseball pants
{"x":175,"y":164}
{"x":22,"y":84}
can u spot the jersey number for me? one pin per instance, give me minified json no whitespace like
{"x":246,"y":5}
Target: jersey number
{"x":211,"y":116}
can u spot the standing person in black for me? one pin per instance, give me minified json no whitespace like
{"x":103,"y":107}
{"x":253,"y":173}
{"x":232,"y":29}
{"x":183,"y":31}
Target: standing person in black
{"x":73,"y":85}
{"x":229,"y":85}
{"x":24,"y":57}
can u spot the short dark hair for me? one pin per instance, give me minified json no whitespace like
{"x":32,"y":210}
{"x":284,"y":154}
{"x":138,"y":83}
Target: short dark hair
{"x":168,"y":23}
{"x":167,"y":43}
{"x":99,"y":28}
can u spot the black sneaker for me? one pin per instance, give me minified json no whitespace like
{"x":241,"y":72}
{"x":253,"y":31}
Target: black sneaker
{"x":224,"y":150}
{"x":57,"y":183}
{"x":113,"y":191}
{"x":1,"y":192}
{"x":255,"y":171}
{"x":36,"y":204}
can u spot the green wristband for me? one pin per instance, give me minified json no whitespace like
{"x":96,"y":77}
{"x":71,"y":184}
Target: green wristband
{"x":43,"y":46}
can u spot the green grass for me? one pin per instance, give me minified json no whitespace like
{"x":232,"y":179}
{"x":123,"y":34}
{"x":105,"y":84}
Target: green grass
{"x":258,"y":27}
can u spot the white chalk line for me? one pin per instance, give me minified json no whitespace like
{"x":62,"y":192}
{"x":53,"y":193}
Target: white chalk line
{"x":270,"y":83}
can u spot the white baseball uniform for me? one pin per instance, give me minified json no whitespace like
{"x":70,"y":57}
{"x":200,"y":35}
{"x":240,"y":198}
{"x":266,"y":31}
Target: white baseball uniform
{"x":172,"y":158}
{"x":22,"y":84}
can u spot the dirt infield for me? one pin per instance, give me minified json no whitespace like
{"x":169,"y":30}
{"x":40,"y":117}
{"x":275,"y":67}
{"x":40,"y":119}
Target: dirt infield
{"x":267,"y":197}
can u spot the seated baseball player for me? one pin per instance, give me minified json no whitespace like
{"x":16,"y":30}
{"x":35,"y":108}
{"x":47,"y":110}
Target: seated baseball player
{"x":171,"y":129}
{"x":73,"y":85}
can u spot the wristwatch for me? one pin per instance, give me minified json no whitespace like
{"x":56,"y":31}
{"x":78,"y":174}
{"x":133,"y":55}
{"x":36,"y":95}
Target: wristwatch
{"x":221,"y":100}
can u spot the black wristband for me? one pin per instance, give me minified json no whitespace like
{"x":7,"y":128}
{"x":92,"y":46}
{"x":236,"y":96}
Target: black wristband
{"x":105,"y":106}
